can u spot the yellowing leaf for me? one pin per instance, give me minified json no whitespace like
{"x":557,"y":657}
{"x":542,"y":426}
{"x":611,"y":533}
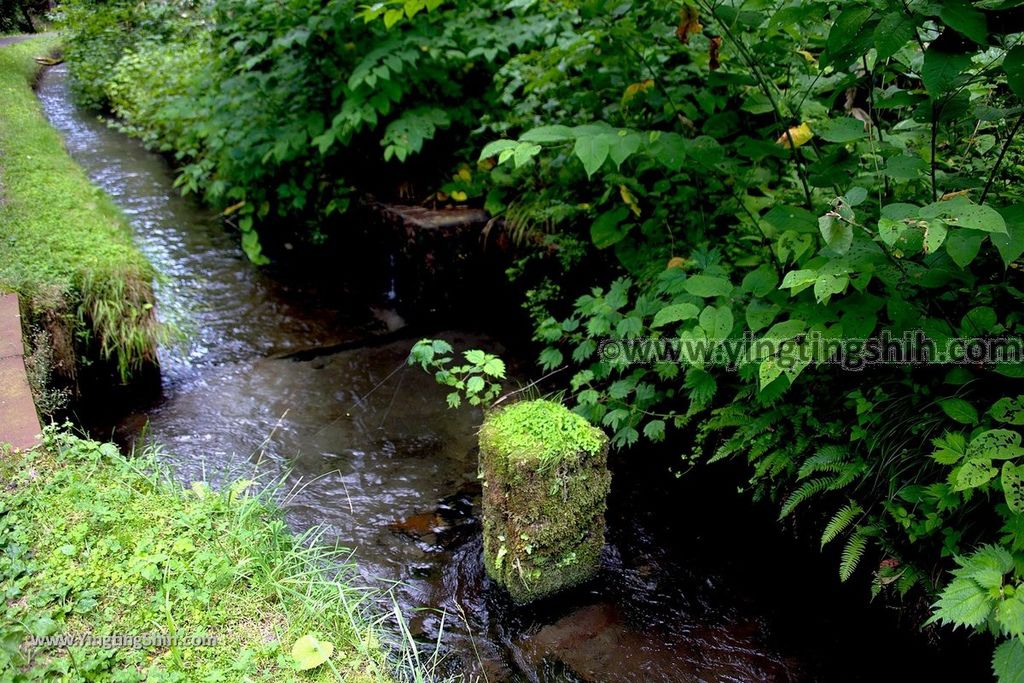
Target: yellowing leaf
{"x":800,"y":135}
{"x":676,"y":262}
{"x":464,"y":174}
{"x":629,"y":199}
{"x":634,"y":89}
{"x":688,"y":23}
{"x":459,"y":196}
{"x":234,"y":207}
{"x":806,"y":55}
{"x":309,"y":653}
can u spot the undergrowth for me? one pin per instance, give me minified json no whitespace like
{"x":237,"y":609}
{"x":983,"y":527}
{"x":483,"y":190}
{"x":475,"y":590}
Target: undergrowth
{"x":97,"y":543}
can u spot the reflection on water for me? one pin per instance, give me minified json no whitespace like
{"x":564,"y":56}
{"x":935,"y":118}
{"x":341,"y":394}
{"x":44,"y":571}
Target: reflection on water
{"x":372,"y":453}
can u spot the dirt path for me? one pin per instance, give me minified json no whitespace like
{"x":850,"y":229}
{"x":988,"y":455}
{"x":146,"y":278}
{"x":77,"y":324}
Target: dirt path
{"x":11,"y":40}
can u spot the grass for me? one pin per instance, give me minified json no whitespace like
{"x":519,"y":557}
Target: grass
{"x":93,"y":542}
{"x":64,"y":246}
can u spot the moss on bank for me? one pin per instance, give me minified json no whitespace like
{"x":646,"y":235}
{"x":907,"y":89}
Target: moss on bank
{"x":64,"y":246}
{"x":546,"y":482}
{"x":92,"y":542}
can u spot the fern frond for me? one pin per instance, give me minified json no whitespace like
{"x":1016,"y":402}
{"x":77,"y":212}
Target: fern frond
{"x":807,"y":490}
{"x":826,"y":459}
{"x":853,"y":552}
{"x":839,"y":522}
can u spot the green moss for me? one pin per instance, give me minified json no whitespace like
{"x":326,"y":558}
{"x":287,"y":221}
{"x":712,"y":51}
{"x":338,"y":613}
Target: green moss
{"x":545,"y":487}
{"x":92,"y":542}
{"x":541,"y":431}
{"x":64,"y":246}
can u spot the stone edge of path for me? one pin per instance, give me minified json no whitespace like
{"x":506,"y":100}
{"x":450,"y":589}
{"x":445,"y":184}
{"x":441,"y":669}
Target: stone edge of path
{"x":19,"y":423}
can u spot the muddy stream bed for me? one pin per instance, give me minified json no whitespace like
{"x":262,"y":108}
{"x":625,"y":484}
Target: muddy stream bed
{"x":696,"y":584}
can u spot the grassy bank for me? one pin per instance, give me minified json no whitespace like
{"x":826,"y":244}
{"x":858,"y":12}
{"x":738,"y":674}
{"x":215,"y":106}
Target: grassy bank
{"x":92,"y":542}
{"x":63,"y":244}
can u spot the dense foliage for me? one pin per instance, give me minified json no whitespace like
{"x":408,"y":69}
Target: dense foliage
{"x":794,"y":171}
{"x":20,"y":16}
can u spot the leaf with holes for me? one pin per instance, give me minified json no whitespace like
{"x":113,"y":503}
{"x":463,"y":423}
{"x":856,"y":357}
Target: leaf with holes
{"x":1013,"y":486}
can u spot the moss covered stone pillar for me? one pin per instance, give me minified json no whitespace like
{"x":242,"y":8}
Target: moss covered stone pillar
{"x":546,"y":481}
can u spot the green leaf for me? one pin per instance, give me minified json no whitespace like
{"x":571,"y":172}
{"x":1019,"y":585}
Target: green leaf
{"x":995,"y":444}
{"x":783,"y":217}
{"x":309,"y":653}
{"x":1008,"y":661}
{"x":760,"y":314}
{"x":850,"y":36}
{"x":1011,"y":244}
{"x":492,"y":149}
{"x":622,"y":146}
{"x":761,"y":281}
{"x":934,"y":235}
{"x":592,"y":150}
{"x":942,"y":69}
{"x":974,"y":217}
{"x":838,"y":233}
{"x":1013,"y":487}
{"x":707,"y":286}
{"x":959,"y":410}
{"x":1009,"y":410}
{"x":655,"y":430}
{"x":605,"y":230}
{"x":674,"y":313}
{"x":717,"y":322}
{"x":963,"y":603}
{"x":973,"y":474}
{"x":894,"y":31}
{"x":965,"y":19}
{"x":798,"y":278}
{"x":669,"y":150}
{"x":905,"y":167}
{"x":548,"y":134}
{"x":846,"y":129}
{"x":963,"y":246}
{"x":1013,"y":65}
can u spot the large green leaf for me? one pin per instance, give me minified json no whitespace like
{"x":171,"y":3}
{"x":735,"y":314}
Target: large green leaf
{"x":838,"y":233}
{"x":964,"y":18}
{"x":1011,"y":244}
{"x":960,"y":410}
{"x":941,"y":69}
{"x":1013,"y":487}
{"x":846,"y":129}
{"x":1008,"y":661}
{"x":708,"y":286}
{"x":675,"y":313}
{"x":963,"y":246}
{"x":894,"y":31}
{"x":1013,"y":65}
{"x":548,"y":134}
{"x":592,"y":150}
{"x":607,"y":229}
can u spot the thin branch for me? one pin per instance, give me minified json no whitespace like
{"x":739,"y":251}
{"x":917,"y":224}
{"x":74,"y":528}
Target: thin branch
{"x":999,"y":161}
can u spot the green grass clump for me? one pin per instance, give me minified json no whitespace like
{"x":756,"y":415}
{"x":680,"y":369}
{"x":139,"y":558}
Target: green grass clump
{"x":92,"y":542}
{"x":63,"y":243}
{"x":540,"y":430}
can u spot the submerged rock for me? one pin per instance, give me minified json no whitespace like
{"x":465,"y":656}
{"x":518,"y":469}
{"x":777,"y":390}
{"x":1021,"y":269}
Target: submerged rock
{"x":546,"y":481}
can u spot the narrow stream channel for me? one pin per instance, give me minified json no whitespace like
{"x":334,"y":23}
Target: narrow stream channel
{"x":686,"y":592}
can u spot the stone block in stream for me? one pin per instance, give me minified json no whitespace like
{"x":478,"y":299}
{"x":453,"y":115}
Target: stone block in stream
{"x":546,"y":481}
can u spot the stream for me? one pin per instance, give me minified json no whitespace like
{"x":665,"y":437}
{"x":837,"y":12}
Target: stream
{"x":697,"y":584}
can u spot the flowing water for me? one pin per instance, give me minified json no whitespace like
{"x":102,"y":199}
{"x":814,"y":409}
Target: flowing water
{"x":688,"y":591}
